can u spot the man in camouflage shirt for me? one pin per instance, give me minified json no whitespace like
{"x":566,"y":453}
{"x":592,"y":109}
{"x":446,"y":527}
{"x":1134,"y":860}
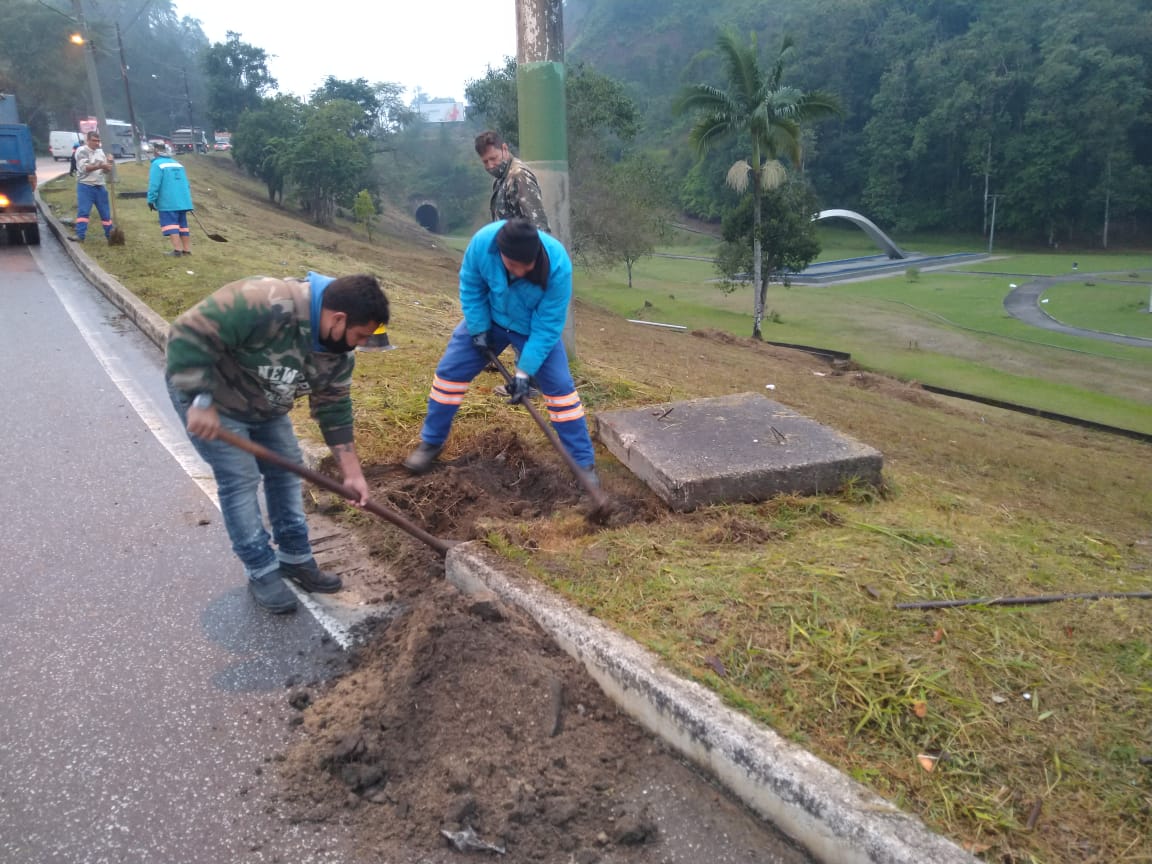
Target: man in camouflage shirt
{"x":515,"y":191}
{"x":515,"y":195}
{"x":238,"y":360}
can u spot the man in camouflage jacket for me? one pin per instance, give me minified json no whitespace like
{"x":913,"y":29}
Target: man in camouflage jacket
{"x":515,"y":195}
{"x":238,"y":360}
{"x":515,"y":191}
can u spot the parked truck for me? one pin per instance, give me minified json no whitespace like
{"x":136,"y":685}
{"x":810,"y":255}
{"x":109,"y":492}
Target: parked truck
{"x":189,"y":141}
{"x":18,"y":219}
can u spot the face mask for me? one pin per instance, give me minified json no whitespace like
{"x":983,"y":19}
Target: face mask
{"x":498,"y":171}
{"x":335,"y":346}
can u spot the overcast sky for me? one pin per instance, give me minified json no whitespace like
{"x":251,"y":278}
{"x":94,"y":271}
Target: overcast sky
{"x":437,"y":45}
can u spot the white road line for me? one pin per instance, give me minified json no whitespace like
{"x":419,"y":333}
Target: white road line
{"x":173,"y":439}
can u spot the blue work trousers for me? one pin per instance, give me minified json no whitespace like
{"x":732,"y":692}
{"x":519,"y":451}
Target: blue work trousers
{"x":87,"y":197}
{"x":462,"y":362}
{"x":238,"y":476}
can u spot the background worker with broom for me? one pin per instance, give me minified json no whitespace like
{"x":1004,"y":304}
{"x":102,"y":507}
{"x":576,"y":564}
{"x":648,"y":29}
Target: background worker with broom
{"x":170,"y":195}
{"x":92,"y":170}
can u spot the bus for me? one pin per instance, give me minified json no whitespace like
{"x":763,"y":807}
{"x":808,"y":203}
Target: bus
{"x":119,"y":143}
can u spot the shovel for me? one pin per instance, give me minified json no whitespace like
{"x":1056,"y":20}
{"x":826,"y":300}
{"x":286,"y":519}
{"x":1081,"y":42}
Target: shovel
{"x":116,"y":236}
{"x":325,"y":482}
{"x":594,"y":492}
{"x":216,"y":237}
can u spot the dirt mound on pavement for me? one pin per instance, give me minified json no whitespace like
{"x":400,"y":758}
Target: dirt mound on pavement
{"x":464,"y":716}
{"x":461,"y":726}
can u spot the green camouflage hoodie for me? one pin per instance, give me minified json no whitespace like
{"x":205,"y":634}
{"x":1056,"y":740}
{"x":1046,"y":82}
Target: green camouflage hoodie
{"x":516,"y":195}
{"x":250,"y":345}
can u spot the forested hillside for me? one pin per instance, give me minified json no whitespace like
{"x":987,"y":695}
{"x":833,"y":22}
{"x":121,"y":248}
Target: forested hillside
{"x":1044,"y":103}
{"x":45,"y":70}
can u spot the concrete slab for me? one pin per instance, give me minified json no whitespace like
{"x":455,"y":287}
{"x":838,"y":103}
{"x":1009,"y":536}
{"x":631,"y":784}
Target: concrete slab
{"x":737,"y":448}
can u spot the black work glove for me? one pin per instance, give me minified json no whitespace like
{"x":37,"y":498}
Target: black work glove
{"x":151,"y":206}
{"x":480,"y":342}
{"x":518,"y":389}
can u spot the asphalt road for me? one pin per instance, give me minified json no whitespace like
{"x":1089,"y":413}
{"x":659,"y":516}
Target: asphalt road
{"x":141,"y":692}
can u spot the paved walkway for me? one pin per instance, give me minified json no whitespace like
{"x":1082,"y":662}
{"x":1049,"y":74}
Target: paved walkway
{"x":1023,"y":303}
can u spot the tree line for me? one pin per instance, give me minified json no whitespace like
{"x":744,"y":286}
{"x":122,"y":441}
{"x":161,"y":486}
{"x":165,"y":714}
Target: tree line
{"x":945,"y":106}
{"x":162,"y":71}
{"x":1045,"y":104}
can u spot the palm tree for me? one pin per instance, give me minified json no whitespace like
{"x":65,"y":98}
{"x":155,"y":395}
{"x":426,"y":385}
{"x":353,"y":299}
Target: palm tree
{"x":768,"y":115}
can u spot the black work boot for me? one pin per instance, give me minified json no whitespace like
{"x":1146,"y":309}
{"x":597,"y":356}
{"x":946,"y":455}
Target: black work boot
{"x":270,"y":592}
{"x":589,"y":471}
{"x":421,"y":460}
{"x":311,"y":578}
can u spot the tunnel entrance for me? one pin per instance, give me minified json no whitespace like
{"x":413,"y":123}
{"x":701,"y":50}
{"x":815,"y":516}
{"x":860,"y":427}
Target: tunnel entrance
{"x":428,"y":217}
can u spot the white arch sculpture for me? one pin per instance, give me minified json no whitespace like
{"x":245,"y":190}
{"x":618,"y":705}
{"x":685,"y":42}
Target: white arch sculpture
{"x":868,"y":227}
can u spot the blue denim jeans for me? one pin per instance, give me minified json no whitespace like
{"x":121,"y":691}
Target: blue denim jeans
{"x":238,"y":476}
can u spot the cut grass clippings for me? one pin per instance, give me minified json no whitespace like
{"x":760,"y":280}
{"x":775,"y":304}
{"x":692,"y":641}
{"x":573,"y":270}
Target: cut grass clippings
{"x":1035,"y":722}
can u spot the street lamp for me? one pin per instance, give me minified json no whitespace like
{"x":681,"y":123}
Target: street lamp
{"x":82,"y":38}
{"x":79,"y":39}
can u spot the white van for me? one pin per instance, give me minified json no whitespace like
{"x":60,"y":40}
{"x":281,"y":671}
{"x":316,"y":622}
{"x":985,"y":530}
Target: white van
{"x":60,"y":144}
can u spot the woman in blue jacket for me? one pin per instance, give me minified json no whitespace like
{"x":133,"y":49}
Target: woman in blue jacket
{"x":515,"y":287}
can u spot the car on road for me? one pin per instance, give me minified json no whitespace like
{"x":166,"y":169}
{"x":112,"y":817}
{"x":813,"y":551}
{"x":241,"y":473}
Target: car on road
{"x":60,"y":144}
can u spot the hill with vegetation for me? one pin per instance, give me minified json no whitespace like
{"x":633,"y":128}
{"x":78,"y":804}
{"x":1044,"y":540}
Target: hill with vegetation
{"x":1043,"y":103}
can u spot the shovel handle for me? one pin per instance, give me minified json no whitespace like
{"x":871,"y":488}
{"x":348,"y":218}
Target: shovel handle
{"x":594,"y":491}
{"x":264,"y":454}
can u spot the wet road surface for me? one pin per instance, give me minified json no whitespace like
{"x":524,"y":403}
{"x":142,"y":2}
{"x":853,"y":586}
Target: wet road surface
{"x":141,"y":692}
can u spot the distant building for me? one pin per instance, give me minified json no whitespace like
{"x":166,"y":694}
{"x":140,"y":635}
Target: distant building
{"x":440,"y":110}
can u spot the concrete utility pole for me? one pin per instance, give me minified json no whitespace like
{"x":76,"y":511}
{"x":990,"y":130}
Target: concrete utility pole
{"x":191,"y":119}
{"x":128,"y":96}
{"x":542,"y":106}
{"x":992,"y":229}
{"x":93,"y":81}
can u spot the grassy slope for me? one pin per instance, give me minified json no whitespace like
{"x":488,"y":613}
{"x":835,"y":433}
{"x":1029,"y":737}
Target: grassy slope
{"x":785,"y":607}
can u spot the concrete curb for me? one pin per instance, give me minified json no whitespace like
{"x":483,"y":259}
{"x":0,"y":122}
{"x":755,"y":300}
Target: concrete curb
{"x":151,"y":324}
{"x":834,"y":817}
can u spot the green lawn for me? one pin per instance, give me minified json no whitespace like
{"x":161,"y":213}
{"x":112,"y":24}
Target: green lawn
{"x":1113,"y":307}
{"x":948,"y":329}
{"x":1060,"y":263}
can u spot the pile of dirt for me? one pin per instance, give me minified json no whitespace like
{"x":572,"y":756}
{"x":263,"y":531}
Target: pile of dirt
{"x":500,"y":485}
{"x":462,"y":727}
{"x":462,"y":720}
{"x":893,"y":388}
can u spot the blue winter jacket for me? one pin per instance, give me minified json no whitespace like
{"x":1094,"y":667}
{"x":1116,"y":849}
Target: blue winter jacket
{"x":168,"y":185}
{"x":520,"y":306}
